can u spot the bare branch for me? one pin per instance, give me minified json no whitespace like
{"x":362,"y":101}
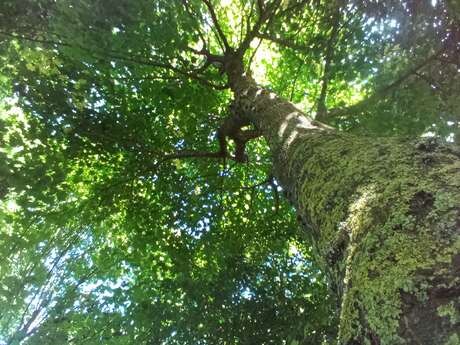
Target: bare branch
{"x":192,"y":154}
{"x":252,"y":56}
{"x":230,"y":128}
{"x":190,"y":74}
{"x":248,"y":19}
{"x":186,"y":154}
{"x":260,"y":6}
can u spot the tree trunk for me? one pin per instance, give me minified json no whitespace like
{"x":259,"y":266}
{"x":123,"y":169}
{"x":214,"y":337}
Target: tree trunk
{"x":382,"y":215}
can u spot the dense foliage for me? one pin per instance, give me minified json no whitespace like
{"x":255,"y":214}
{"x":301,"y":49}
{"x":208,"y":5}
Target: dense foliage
{"x":117,"y":228}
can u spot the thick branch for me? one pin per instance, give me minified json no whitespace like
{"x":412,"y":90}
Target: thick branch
{"x":231,"y":128}
{"x":192,"y":154}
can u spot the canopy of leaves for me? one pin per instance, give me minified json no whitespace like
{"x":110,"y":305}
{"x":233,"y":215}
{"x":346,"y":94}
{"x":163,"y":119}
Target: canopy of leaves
{"x":117,"y":227}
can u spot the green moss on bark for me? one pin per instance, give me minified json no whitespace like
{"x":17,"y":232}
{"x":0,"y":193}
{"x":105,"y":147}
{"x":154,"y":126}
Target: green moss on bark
{"x":384,"y":218}
{"x":382,"y":215}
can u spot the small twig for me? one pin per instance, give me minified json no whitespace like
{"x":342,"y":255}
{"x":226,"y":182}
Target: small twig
{"x":252,"y":56}
{"x":289,"y":9}
{"x":36,"y":40}
{"x":264,"y":182}
{"x":429,"y":81}
{"x":291,"y":96}
{"x":275,"y":193}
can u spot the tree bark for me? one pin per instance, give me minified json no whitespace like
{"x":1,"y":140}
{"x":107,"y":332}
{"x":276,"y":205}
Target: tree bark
{"x":382,"y":215}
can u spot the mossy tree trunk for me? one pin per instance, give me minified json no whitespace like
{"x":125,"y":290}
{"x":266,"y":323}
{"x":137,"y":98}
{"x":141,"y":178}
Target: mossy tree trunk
{"x":382,"y":215}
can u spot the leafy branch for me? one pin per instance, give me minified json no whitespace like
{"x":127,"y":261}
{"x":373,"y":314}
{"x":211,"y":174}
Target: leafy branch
{"x":378,"y":94}
{"x":321,"y":108}
{"x":112,"y":55}
{"x":220,"y":34}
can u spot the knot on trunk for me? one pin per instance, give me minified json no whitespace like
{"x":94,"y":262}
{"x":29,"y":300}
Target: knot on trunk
{"x":232,"y":128}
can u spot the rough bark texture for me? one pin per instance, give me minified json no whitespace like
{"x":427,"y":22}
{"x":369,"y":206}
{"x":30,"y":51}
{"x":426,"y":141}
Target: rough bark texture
{"x":383,"y":216}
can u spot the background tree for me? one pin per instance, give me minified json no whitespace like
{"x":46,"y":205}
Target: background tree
{"x":140,"y":207}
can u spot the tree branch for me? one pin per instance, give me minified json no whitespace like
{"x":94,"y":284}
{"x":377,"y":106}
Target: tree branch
{"x":217,"y":26}
{"x":433,"y":84}
{"x":284,"y":42}
{"x":230,"y":128}
{"x":186,"y":154}
{"x":264,"y":182}
{"x":355,"y":108}
{"x":36,"y":40}
{"x":192,"y":17}
{"x":251,"y":58}
{"x":109,"y":56}
{"x":265,"y":14}
{"x":322,"y":108}
{"x":192,"y":154}
{"x":298,"y":5}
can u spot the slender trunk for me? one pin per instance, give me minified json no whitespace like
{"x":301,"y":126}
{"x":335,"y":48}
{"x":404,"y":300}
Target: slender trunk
{"x":382,"y":215}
